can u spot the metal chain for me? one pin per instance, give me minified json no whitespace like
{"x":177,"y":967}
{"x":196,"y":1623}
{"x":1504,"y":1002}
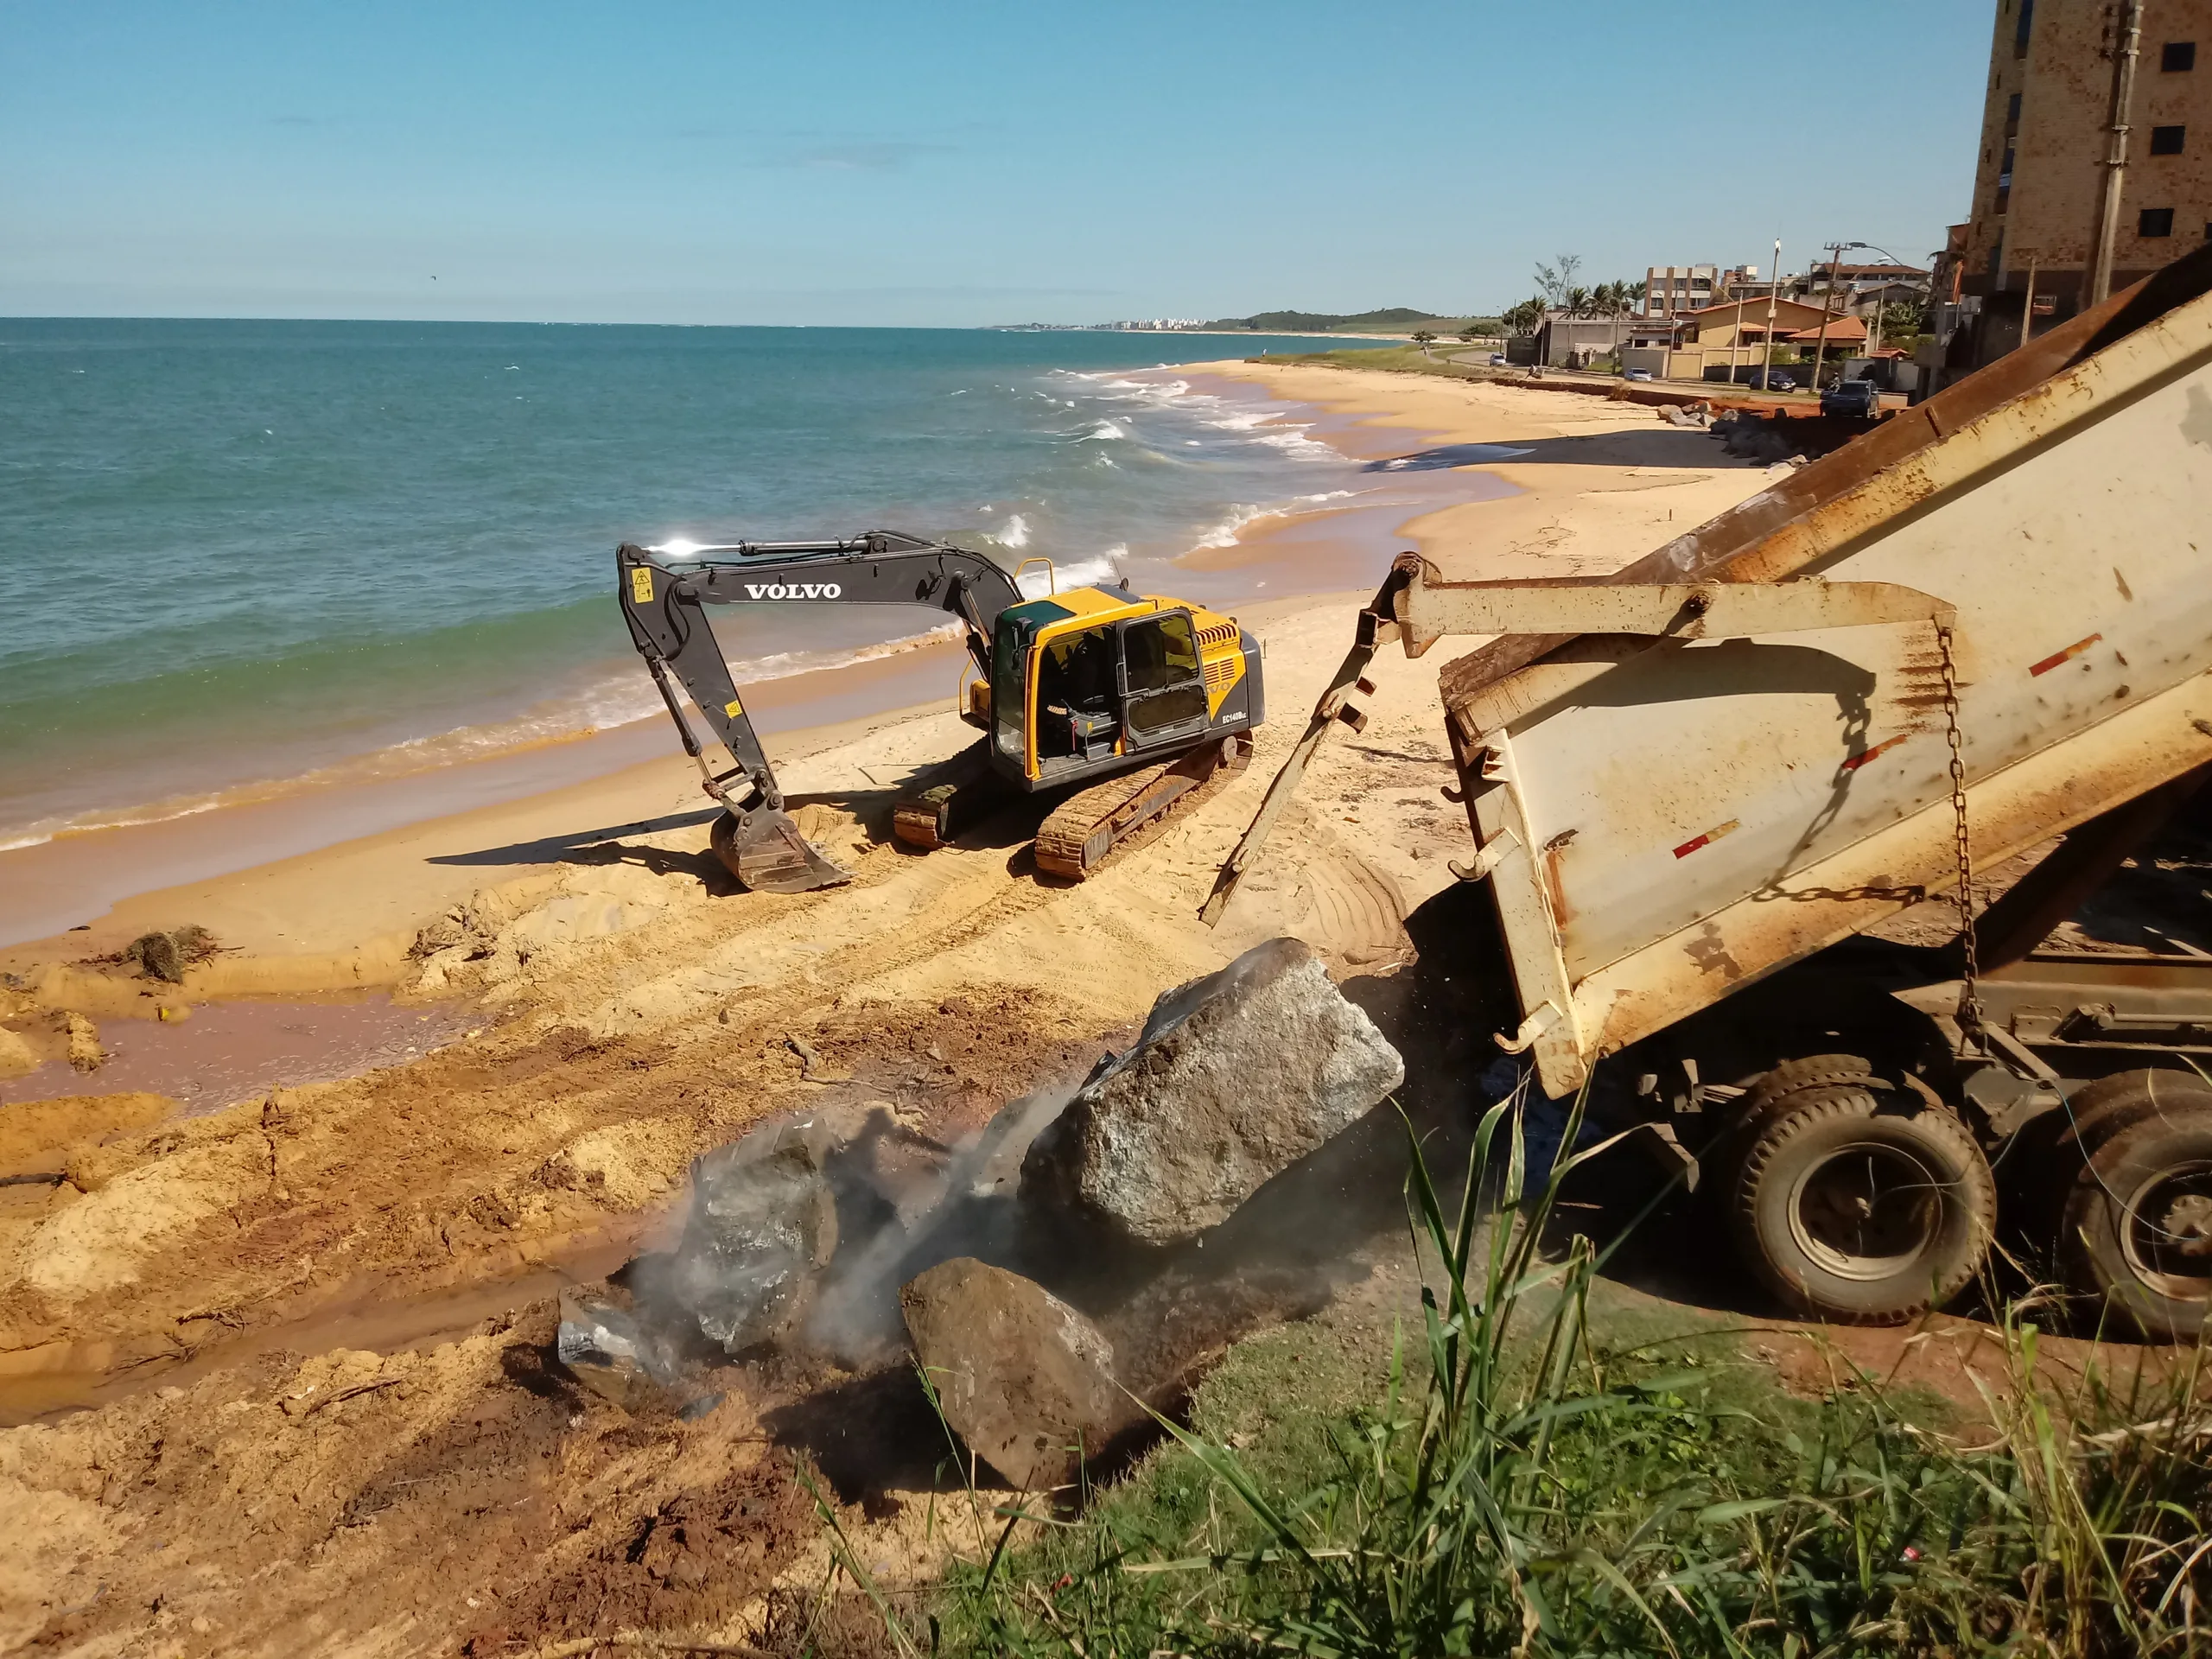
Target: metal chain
{"x":1970,"y":986}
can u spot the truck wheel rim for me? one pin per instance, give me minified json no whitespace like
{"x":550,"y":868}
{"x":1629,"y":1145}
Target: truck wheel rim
{"x":1867,"y":1211}
{"x":2165,"y":1232}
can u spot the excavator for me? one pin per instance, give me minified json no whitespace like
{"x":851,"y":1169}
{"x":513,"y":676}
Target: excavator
{"x":1121,"y":704}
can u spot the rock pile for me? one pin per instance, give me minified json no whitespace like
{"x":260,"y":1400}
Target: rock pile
{"x":1005,"y":1264}
{"x":1769,"y":440}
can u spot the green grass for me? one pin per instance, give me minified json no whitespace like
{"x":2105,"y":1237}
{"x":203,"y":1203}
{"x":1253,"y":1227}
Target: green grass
{"x":1509,"y":1483}
{"x":1407,"y":357}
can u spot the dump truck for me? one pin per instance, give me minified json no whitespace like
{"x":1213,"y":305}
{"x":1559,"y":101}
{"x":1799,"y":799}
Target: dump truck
{"x":1119,"y":705}
{"x":1981,"y":631}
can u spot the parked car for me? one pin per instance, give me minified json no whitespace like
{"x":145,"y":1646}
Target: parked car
{"x":1637,"y":374}
{"x":1857,"y":400}
{"x":1771,"y":380}
{"x":1498,"y":359}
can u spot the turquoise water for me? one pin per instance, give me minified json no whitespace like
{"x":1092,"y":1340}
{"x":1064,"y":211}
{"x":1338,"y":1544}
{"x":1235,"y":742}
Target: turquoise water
{"x":238,"y":552}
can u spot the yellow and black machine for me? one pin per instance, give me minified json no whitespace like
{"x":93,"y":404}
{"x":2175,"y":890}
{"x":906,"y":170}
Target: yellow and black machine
{"x":1126,"y":703}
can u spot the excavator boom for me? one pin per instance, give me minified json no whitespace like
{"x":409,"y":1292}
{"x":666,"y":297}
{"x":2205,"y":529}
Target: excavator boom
{"x":663,"y":596}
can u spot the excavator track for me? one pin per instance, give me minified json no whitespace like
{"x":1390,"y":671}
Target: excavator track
{"x":1084,"y":828}
{"x":967,"y":791}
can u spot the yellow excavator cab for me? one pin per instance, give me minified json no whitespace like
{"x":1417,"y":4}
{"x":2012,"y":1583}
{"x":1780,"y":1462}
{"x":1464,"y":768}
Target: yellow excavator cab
{"x":1087,"y":678}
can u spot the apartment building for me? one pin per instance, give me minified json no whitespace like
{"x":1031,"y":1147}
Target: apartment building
{"x":1669,"y":290}
{"x":2046,"y":128}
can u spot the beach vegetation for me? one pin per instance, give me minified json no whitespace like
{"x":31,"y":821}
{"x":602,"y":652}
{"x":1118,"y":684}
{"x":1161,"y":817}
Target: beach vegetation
{"x":1526,"y":317}
{"x":1504,"y":1480}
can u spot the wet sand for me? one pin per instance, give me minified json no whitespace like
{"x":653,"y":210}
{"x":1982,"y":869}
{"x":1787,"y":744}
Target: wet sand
{"x":74,"y":878}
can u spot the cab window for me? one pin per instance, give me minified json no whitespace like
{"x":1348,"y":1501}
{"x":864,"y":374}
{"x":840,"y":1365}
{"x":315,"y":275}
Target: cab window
{"x":1009,"y":691}
{"x":1161,"y":656}
{"x":1075,"y":713}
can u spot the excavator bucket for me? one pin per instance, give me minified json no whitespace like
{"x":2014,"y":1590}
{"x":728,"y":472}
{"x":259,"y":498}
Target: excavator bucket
{"x":763,"y":849}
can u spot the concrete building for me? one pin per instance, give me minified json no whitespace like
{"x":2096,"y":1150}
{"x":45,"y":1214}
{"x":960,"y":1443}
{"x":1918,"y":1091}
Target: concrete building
{"x":2046,"y":127}
{"x":1566,"y":342}
{"x":1670,"y":291}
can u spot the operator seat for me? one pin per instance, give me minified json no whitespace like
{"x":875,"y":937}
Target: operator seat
{"x":1076,"y":695}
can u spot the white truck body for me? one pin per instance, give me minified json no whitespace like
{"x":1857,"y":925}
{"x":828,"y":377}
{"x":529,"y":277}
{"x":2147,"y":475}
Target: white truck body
{"x":1676,"y":789}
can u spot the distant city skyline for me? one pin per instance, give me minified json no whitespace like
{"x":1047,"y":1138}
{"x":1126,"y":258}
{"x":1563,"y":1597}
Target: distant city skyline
{"x":987,"y":163}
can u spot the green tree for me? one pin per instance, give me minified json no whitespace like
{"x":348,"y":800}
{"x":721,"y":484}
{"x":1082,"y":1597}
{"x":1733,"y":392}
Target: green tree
{"x":1526,"y":317}
{"x":1901,"y":319}
{"x":1424,"y":338}
{"x":1556,"y":278}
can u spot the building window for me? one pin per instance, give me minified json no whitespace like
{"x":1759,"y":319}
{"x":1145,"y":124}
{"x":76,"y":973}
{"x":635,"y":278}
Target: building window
{"x":2178,"y":57}
{"x":2004,"y":197}
{"x":2026,"y":24}
{"x":2166,"y":141}
{"x":2154,"y":222}
{"x":2011,"y":115}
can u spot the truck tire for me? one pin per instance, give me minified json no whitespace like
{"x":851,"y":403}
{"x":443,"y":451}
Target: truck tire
{"x":1723,"y":1161}
{"x":1859,"y":1208}
{"x":2135,"y":1218}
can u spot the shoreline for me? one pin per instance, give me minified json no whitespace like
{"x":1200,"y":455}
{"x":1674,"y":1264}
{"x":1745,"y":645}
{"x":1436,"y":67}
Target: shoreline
{"x":1543,"y":484}
{"x":79,"y":881}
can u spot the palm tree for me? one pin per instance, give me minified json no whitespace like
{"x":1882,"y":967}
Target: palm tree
{"x":1614,"y":299}
{"x":1576,"y":302}
{"x":1526,"y":317}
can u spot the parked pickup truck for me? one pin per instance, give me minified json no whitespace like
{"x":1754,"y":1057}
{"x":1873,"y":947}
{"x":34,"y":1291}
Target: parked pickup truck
{"x":1852,"y":400}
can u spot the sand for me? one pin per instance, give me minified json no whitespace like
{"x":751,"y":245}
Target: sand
{"x":310,"y":1325}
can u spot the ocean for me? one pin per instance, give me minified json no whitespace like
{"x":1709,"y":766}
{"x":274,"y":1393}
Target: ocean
{"x":245,"y":557}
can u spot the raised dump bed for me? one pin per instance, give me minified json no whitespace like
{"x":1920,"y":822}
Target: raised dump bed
{"x":1693,"y":784}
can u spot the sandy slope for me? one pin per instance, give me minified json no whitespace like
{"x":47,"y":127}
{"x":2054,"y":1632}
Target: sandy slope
{"x":636,"y":1013}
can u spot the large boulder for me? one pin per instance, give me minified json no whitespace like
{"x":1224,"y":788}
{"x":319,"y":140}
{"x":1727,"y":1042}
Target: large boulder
{"x":1236,"y":1077}
{"x":762,"y":1226}
{"x":1023,"y":1378}
{"x":610,"y":1351}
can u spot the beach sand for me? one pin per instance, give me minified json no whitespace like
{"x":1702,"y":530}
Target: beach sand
{"x":384,"y":1245}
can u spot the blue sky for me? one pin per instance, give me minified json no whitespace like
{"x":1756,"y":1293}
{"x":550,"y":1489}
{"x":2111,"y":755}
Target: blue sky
{"x":817,"y":161}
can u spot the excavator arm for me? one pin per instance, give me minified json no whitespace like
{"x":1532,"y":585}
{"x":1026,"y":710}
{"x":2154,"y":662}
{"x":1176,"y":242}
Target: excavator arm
{"x":663,"y":598}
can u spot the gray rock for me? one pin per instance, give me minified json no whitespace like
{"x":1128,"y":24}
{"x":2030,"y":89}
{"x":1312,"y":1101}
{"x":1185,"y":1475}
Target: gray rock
{"x":763,"y":1223}
{"x":1023,"y":1378}
{"x":609,"y":1350}
{"x":1236,"y":1077}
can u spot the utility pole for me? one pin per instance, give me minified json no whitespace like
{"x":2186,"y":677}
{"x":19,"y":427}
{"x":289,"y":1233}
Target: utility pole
{"x":1773,"y":292}
{"x":2127,"y":45}
{"x":1827,"y":309}
{"x":1735,"y":338}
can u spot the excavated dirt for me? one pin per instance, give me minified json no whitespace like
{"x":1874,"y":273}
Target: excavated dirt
{"x":281,"y":1368}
